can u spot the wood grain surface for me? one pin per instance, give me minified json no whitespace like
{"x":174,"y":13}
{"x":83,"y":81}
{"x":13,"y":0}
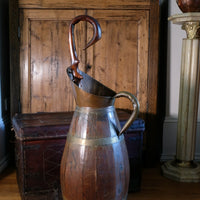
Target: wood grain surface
{"x":44,"y":57}
{"x":89,"y":4}
{"x":154,"y":187}
{"x":119,"y":60}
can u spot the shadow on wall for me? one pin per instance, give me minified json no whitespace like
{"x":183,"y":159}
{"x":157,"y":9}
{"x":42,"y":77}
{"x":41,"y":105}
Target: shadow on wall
{"x":162,"y":79}
{"x":4,"y":83}
{"x":152,"y":138}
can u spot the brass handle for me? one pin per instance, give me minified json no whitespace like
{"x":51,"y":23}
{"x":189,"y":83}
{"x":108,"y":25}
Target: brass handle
{"x":96,"y":37}
{"x":135,"y":112}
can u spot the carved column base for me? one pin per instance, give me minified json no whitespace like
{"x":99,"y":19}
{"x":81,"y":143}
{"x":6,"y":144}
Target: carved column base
{"x":182,"y":172}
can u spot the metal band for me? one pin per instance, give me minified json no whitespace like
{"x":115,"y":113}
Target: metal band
{"x":89,"y":110}
{"x":94,"y":142}
{"x":122,"y":199}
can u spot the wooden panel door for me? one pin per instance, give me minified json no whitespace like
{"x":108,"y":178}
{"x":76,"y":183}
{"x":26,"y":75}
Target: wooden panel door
{"x":120,"y":59}
{"x":44,"y":57}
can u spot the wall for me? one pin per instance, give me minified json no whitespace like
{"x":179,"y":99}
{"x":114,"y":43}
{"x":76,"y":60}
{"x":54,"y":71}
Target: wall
{"x":175,"y":36}
{"x":4,"y":83}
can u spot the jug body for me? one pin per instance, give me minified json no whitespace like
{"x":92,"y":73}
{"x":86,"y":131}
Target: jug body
{"x":95,"y":162}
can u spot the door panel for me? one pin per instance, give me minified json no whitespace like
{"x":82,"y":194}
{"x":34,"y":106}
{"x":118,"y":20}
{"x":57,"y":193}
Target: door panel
{"x":120,"y":59}
{"x":44,"y":58}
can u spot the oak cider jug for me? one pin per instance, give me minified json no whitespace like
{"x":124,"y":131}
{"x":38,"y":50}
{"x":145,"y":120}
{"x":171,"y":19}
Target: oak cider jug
{"x":95,"y":164}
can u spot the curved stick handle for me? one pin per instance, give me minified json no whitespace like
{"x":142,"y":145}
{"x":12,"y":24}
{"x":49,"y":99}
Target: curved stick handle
{"x":135,"y":112}
{"x":95,"y":38}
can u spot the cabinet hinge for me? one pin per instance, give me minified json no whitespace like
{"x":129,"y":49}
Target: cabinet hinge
{"x":19,"y":33}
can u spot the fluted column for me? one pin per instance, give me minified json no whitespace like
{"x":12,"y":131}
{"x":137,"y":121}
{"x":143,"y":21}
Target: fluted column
{"x":183,"y":168}
{"x":188,"y":100}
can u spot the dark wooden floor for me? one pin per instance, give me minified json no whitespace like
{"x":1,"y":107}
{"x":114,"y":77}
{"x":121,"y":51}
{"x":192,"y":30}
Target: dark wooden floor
{"x":154,"y":187}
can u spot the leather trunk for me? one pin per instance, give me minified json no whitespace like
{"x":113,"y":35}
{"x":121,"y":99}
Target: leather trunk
{"x":40,"y":140}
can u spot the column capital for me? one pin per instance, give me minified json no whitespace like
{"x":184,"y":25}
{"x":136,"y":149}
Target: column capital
{"x":190,"y":23}
{"x":192,"y":29}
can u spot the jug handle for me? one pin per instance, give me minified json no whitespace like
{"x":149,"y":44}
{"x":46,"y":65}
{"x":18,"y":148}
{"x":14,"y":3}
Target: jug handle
{"x":135,"y":112}
{"x":96,"y":36}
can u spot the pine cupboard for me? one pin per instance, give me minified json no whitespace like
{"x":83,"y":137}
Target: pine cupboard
{"x":125,"y":59}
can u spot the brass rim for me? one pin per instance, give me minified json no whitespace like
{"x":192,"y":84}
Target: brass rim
{"x":94,"y":142}
{"x":122,"y":199}
{"x":89,"y":110}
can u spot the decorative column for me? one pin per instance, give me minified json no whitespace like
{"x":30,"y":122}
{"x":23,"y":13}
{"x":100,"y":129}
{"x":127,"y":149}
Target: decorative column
{"x":183,"y":168}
